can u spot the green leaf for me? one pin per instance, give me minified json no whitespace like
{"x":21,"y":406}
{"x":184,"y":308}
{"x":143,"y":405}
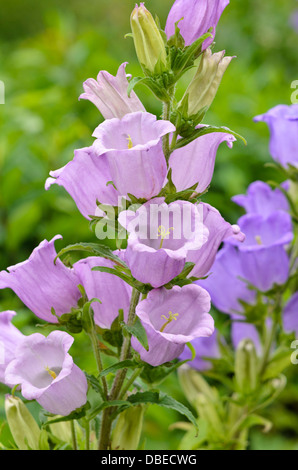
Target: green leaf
{"x":203,"y":131}
{"x":95,"y":249}
{"x":279,"y":362}
{"x":94,"y":383}
{"x":161,"y":399}
{"x":127,"y":364}
{"x":143,"y":288}
{"x":138,"y":331}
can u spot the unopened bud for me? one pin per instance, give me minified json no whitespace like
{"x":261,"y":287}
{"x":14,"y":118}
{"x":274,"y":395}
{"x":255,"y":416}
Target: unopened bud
{"x":208,"y":412}
{"x":149,"y":44}
{"x":246,"y":367}
{"x":203,"y":87}
{"x":193,"y":383}
{"x":22,"y":425}
{"x":127,"y":432}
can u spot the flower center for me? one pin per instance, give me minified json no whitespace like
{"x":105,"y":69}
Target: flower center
{"x":162,"y":233}
{"x":172,"y":316}
{"x":129,"y":142}
{"x":51,"y":372}
{"x":258,"y":239}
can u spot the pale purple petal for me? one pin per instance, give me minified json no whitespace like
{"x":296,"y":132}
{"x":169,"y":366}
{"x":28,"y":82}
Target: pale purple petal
{"x":10,"y":338}
{"x":189,"y":304}
{"x":241,"y":330}
{"x":261,"y":199}
{"x":195,"y":162}
{"x":42,"y":284}
{"x":283,"y":124}
{"x":113,"y":293}
{"x":198,"y":17}
{"x":109,"y":94}
{"x":290,"y":315}
{"x":39,"y":358}
{"x":85,"y":178}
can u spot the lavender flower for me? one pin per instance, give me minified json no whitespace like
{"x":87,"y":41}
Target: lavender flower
{"x":47,"y":373}
{"x":133,"y":148}
{"x":198,"y":17}
{"x":109,"y":94}
{"x":10,"y":338}
{"x":113,"y":293}
{"x":42,"y":284}
{"x":171,"y":319}
{"x":283,"y":124}
{"x":290,"y":315}
{"x":195,"y":162}
{"x":85,"y":178}
{"x":160,"y":237}
{"x":261,"y":199}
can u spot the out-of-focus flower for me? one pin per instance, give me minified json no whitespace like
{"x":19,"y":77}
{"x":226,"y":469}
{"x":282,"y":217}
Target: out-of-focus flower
{"x":128,"y":429}
{"x":226,"y":283}
{"x":149,"y":44}
{"x":171,"y":319}
{"x":42,"y":284}
{"x":204,"y":86}
{"x":109,"y":94}
{"x":264,"y":259}
{"x":198,"y":17}
{"x":204,"y":347}
{"x":294,"y":20}
{"x":261,"y":199}
{"x":290,"y":315}
{"x":241,"y":330}
{"x":10,"y":338}
{"x":160,"y":237}
{"x":219,"y":230}
{"x":133,"y":148}
{"x":113,"y":293}
{"x":47,"y":373}
{"x":85,"y":178}
{"x":282,"y":121}
{"x":195,"y":162}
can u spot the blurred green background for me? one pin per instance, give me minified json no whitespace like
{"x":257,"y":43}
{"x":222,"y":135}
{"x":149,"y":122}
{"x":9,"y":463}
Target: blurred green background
{"x":47,"y":49}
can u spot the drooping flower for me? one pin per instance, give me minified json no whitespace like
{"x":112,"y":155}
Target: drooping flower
{"x":195,"y":162}
{"x":205,"y":348}
{"x":261,"y":199}
{"x":42,"y":284}
{"x":133,"y":148}
{"x":198,"y":17}
{"x":171,"y":319}
{"x":113,"y":293}
{"x":282,"y":121}
{"x":204,"y":85}
{"x":109,"y":94}
{"x":160,"y":237}
{"x":219,"y":230}
{"x":264,"y":259}
{"x":86,"y":179}
{"x":47,"y":373}
{"x":149,"y":44}
{"x":10,"y":338}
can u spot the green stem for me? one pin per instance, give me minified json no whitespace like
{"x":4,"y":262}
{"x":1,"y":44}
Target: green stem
{"x":87,"y":434}
{"x":267,"y":349}
{"x":166,"y":138}
{"x":94,"y":342}
{"x":106,"y":424}
{"x":73,"y":435}
{"x":125,"y":387}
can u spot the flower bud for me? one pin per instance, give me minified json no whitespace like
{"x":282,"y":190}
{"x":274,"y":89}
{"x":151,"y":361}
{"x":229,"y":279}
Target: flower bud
{"x":128,"y":429}
{"x":149,"y":44}
{"x":246,"y":367}
{"x":23,"y":426}
{"x":193,"y":384}
{"x":203,"y":88}
{"x":208,"y":411}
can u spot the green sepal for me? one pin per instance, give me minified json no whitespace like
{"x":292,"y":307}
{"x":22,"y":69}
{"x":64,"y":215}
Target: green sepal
{"x":95,"y":249}
{"x":138,"y":331}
